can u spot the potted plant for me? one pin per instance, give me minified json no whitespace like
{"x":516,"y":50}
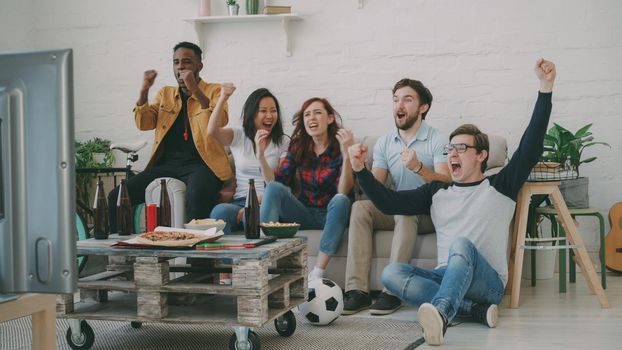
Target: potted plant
{"x":565,"y":149}
{"x":94,"y":153}
{"x":233,"y":7}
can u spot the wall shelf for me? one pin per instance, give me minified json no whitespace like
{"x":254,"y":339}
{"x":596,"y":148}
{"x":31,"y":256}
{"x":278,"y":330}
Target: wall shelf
{"x":201,"y":24}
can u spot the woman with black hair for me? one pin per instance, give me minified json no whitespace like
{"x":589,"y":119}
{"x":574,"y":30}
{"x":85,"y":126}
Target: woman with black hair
{"x":318,"y":156}
{"x":257,"y":148}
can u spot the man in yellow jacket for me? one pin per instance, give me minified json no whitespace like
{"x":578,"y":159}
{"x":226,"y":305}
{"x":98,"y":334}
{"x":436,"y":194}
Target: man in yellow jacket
{"x":182,"y":148}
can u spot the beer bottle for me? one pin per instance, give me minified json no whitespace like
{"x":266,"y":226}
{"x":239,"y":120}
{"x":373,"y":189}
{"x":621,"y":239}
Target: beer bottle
{"x":125,"y":221}
{"x":100,"y":209}
{"x":251,"y":212}
{"x":164,"y":215}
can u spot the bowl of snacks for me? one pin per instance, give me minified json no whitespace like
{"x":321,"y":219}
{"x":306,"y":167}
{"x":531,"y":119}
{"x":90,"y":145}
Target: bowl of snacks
{"x":279,"y":229}
{"x":204,"y":224}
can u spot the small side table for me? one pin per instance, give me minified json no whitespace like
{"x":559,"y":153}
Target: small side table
{"x":42,"y":307}
{"x":550,"y":189}
{"x":550,"y":212}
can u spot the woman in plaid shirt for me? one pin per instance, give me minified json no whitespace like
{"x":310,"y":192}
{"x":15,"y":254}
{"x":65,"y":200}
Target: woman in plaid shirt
{"x":318,"y":154}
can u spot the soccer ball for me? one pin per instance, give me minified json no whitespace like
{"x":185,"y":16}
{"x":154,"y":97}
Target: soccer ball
{"x":325,"y":302}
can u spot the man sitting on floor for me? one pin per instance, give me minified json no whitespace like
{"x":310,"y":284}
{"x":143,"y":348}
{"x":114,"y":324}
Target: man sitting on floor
{"x":471,"y":216}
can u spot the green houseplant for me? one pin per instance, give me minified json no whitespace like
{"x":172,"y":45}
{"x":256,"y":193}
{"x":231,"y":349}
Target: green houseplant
{"x":86,"y":157}
{"x":563,"y":147}
{"x":233,"y":7}
{"x":561,"y":160}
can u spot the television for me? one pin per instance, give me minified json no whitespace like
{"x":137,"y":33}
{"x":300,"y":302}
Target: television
{"x":37,"y":173}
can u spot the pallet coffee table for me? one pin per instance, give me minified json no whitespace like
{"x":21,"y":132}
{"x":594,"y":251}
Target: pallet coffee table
{"x":267,"y":282}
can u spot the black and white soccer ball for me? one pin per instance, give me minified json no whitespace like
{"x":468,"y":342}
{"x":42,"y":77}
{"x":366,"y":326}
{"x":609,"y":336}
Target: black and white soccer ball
{"x":324,"y":304}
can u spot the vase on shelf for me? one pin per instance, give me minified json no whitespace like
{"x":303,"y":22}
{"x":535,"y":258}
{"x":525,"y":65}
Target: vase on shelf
{"x":205,"y":8}
{"x":252,"y":7}
{"x":233,"y":9}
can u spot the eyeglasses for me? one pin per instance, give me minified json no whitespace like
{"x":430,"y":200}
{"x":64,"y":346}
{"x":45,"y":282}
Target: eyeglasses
{"x":460,"y":147}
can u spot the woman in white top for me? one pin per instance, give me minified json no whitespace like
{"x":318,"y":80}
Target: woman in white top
{"x":257,"y":148}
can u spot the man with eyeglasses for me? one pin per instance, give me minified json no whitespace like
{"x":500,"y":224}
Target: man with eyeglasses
{"x":471,"y":216}
{"x":412,"y":153}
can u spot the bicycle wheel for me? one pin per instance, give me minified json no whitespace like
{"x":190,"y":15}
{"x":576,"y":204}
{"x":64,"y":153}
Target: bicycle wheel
{"x":139,"y":219}
{"x":82,"y":232}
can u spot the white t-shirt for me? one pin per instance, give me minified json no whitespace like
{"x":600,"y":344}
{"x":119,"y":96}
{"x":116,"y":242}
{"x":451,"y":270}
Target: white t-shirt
{"x":246,"y":164}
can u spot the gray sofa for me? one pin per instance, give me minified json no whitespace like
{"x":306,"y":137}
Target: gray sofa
{"x":424,"y":254}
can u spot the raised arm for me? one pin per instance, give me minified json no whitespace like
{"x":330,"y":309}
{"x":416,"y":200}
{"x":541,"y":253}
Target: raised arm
{"x":214,"y":128}
{"x":145,"y":115}
{"x":346,"y":179}
{"x":513,"y":176}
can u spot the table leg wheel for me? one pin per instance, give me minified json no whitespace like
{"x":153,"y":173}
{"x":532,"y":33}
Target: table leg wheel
{"x":81,"y":341}
{"x":136,"y":324}
{"x":285,"y":324}
{"x":252,"y":343}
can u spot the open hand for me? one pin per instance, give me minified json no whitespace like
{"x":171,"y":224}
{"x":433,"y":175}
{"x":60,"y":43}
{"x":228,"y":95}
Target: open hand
{"x":346,"y":139}
{"x":358,"y":155}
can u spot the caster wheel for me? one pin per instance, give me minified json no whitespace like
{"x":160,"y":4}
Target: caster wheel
{"x":285,"y":324}
{"x":82,"y":341}
{"x":252,"y":343}
{"x":136,"y":324}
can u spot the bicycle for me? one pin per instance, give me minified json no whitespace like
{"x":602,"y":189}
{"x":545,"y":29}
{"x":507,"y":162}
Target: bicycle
{"x":82,"y":229}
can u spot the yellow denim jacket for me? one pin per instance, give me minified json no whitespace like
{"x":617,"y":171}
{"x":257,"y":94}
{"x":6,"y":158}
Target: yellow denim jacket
{"x":161,"y":114}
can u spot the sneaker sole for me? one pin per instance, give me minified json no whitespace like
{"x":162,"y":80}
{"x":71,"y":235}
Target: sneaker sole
{"x":352,"y":312}
{"x":492,"y":316}
{"x":383,"y":312}
{"x":432,"y":324}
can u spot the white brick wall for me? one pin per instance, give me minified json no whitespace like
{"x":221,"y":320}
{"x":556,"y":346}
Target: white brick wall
{"x":476,"y":57}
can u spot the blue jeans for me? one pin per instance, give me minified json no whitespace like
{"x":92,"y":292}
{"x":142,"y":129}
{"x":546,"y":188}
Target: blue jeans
{"x":467,"y":279}
{"x":229,"y":213}
{"x":279,"y":204}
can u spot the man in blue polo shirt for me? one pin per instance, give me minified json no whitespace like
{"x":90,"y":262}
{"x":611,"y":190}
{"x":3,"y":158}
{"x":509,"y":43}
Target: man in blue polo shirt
{"x":412,"y":154}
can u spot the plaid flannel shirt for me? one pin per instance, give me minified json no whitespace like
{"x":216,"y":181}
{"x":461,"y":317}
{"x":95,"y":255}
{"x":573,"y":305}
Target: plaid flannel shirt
{"x":319,"y":176}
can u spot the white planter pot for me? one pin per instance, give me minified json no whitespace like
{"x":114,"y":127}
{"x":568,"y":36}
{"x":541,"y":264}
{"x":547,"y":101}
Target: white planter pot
{"x":545,"y":264}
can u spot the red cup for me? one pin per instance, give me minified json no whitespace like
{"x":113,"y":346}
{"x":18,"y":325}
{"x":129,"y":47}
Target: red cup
{"x":152,"y":217}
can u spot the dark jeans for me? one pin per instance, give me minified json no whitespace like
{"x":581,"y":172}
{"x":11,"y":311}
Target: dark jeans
{"x":202,"y":188}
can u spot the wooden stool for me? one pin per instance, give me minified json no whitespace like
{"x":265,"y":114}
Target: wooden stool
{"x":42,"y":307}
{"x":518,"y":240}
{"x":550,"y":212}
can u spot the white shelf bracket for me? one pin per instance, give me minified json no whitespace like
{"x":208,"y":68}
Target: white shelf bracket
{"x":288,"y":44}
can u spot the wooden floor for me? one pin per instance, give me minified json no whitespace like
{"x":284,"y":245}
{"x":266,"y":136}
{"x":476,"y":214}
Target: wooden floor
{"x":545,"y":319}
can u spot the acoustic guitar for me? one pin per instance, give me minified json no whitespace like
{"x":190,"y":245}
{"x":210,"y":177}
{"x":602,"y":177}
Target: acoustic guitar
{"x":613,"y":259}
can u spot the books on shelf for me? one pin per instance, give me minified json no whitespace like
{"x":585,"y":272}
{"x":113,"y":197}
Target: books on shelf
{"x":274,"y":10}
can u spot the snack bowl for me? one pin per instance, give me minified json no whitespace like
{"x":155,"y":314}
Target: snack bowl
{"x":204,"y":224}
{"x":279,"y":230}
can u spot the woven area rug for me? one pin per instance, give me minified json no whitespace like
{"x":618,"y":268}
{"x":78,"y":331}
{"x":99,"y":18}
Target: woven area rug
{"x":344,"y":333}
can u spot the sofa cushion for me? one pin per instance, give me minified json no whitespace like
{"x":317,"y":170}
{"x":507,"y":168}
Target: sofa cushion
{"x":425,"y":246}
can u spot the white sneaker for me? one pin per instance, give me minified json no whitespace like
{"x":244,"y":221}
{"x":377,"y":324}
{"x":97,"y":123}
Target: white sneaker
{"x":432,"y":323}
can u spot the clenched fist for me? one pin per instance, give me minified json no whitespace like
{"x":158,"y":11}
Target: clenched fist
{"x":410,"y":160}
{"x":226,"y":90}
{"x":358,"y":154}
{"x":149,"y":78}
{"x":545,"y":71}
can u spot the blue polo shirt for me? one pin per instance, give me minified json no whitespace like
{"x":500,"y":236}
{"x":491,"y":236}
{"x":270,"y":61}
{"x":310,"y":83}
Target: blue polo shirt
{"x":428,"y":143}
